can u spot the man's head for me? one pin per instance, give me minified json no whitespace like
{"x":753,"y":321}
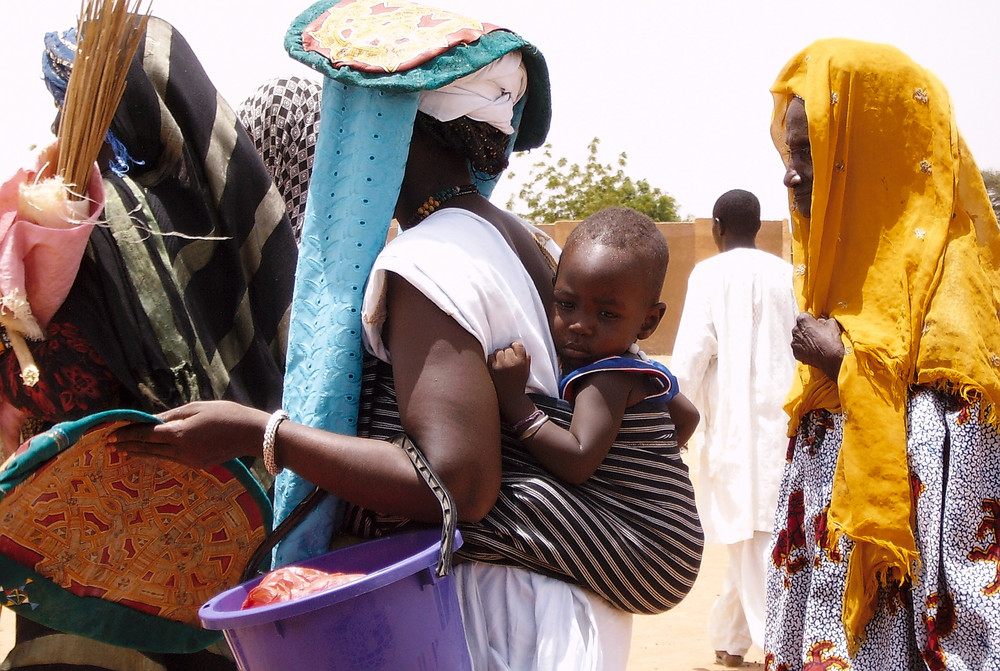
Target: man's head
{"x":736,"y":219}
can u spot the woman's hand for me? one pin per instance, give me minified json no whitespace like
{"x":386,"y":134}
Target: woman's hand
{"x":816,"y":342}
{"x":200,"y":434}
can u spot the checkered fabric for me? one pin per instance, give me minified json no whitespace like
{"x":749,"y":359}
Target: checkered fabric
{"x":282,"y":118}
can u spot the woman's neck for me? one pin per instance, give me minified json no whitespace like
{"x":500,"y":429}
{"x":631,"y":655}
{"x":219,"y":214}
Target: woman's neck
{"x":429,"y":169}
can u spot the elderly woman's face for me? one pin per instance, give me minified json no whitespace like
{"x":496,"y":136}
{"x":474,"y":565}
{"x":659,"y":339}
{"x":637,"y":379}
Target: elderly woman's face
{"x":799,"y":172}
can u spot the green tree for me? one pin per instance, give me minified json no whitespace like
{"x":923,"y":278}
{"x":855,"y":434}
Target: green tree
{"x":992,"y":180}
{"x":558,"y":190}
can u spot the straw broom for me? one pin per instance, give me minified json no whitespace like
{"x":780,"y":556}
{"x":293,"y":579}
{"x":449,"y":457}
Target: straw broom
{"x":108,"y":34}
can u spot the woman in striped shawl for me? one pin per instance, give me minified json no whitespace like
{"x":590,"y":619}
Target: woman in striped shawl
{"x":182,"y":294}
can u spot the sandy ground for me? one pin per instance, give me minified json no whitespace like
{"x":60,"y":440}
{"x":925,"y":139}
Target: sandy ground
{"x":677,"y":640}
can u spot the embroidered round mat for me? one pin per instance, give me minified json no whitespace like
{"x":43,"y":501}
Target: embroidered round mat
{"x":147,"y":534}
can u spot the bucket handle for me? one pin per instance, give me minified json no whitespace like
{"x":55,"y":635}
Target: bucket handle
{"x":301,"y":509}
{"x":449,"y":518}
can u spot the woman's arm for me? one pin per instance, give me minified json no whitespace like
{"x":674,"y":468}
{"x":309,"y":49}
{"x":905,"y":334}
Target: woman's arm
{"x":446,"y":399}
{"x":817,"y":343}
{"x":446,"y":403}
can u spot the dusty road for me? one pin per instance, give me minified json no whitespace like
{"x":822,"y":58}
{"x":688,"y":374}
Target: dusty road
{"x":677,"y":640}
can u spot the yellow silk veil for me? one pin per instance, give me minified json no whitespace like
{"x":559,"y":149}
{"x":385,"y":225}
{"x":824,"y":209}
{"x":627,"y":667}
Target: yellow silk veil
{"x":902,"y":249}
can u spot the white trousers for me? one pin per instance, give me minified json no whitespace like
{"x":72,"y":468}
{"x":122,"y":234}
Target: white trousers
{"x":737,"y":617}
{"x":516,"y":620}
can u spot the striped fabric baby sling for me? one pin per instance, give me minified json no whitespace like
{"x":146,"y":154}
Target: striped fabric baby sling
{"x":631,"y":533}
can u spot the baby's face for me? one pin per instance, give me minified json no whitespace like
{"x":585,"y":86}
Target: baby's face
{"x":600,"y":305}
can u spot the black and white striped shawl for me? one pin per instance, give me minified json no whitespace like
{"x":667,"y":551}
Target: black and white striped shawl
{"x":631,"y":533}
{"x":186,"y":291}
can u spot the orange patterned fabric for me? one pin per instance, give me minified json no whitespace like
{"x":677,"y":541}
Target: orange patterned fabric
{"x":145,"y":533}
{"x":379,"y":36}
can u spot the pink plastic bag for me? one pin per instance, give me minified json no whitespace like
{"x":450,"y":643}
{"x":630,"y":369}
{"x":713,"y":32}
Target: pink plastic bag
{"x":291,"y":582}
{"x":38,"y":264}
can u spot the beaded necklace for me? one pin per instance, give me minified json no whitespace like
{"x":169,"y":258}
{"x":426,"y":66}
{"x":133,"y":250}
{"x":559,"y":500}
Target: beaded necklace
{"x":435,"y":201}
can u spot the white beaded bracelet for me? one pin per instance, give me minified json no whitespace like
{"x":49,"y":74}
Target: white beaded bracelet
{"x":270,"y":431}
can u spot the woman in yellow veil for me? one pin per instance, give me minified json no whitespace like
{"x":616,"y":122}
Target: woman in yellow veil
{"x":887,"y":551}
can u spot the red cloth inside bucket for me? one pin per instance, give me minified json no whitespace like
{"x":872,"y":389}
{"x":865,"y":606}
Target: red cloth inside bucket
{"x":292,"y":582}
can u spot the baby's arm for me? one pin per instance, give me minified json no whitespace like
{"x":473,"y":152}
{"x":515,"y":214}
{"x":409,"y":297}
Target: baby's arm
{"x":685,"y":416}
{"x":571,"y":455}
{"x":509,"y":368}
{"x":598,"y":409}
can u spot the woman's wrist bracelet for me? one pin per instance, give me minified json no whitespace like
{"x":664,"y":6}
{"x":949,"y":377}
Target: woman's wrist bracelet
{"x":270,"y":432}
{"x":527,"y":421}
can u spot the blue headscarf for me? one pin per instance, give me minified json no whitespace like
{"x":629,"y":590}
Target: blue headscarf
{"x":57,"y":65}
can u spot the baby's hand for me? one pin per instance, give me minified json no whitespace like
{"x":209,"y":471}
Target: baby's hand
{"x":509,"y":369}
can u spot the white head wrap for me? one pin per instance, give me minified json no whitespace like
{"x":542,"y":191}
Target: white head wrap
{"x":488,"y":94}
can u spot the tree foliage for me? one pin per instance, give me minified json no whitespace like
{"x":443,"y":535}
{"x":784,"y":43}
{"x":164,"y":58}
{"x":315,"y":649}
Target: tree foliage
{"x":992,"y":180}
{"x":558,"y":190}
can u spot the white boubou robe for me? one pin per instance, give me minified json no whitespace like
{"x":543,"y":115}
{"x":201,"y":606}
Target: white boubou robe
{"x":733,"y":359}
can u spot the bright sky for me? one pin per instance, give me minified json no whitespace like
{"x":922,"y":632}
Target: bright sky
{"x":681,"y":87}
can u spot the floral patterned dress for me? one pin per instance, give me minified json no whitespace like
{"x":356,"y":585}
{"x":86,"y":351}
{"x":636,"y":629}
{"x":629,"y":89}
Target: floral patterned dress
{"x":949,"y":617}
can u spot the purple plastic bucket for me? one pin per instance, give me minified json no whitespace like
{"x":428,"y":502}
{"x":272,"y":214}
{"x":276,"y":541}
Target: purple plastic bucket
{"x":400,"y":616}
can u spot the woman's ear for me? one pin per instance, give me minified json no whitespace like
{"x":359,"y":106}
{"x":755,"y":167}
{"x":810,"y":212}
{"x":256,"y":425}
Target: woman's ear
{"x":652,"y":320}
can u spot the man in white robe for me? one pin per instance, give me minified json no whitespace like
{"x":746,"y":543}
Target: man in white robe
{"x":733,"y":358}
